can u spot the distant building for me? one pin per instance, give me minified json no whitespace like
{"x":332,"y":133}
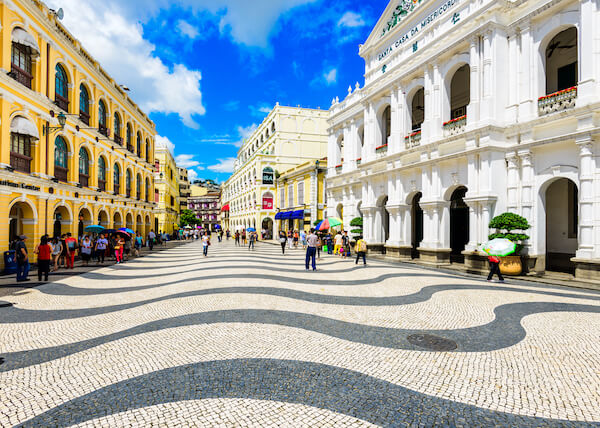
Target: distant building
{"x":288,"y":137}
{"x":167,"y":190}
{"x":206,"y":209}
{"x":184,"y":188}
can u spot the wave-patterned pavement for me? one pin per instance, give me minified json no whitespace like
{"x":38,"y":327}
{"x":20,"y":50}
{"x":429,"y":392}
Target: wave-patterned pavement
{"x":251,"y":338}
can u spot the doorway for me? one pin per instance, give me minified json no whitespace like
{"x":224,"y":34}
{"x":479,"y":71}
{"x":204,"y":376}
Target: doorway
{"x":562,"y":222}
{"x":459,"y":225}
{"x":416,"y":225}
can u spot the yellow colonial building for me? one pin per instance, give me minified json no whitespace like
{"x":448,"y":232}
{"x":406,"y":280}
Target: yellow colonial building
{"x":75,"y":150}
{"x":166,"y":178}
{"x":288,"y":137}
{"x":301,"y":196}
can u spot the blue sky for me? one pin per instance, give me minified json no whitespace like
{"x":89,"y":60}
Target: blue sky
{"x":208,"y":71}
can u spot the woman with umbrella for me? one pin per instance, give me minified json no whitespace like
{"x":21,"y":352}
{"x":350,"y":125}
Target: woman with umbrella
{"x":495,"y":249}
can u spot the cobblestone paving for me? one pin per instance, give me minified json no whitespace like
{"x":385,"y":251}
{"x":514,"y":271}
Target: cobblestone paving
{"x":251,"y":339}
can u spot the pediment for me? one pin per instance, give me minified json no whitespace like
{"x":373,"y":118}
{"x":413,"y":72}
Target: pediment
{"x":393,"y":16}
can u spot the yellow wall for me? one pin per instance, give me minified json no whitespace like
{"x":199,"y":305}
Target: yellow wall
{"x":167,"y":187}
{"x":34,"y":210}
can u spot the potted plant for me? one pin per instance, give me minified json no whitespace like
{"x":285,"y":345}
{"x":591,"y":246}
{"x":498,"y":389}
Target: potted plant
{"x":510,"y":226}
{"x":357,"y":223}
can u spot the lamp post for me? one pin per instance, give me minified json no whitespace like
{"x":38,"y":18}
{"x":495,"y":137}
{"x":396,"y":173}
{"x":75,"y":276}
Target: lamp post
{"x":62,"y":121}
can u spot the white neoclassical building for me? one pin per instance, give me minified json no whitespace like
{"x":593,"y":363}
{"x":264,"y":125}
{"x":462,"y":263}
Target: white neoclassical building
{"x":471,"y":109}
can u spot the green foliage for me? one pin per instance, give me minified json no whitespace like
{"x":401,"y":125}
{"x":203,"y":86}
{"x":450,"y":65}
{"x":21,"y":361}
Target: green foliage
{"x":188,"y":218}
{"x":357,"y":221}
{"x":358,"y":231}
{"x":507,"y":226}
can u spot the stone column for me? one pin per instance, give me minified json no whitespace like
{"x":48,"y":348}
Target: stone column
{"x":486,"y":73}
{"x":587,"y":61}
{"x":513,"y":76}
{"x":394,"y":226}
{"x":586,"y":198}
{"x":526,"y":105}
{"x":474,"y":233}
{"x":331,"y":152}
{"x":369,"y":143}
{"x":527,"y":182}
{"x":473,"y":107}
{"x":512,"y":188}
{"x":350,"y":137}
{"x":314,"y":197}
{"x":397,"y":121}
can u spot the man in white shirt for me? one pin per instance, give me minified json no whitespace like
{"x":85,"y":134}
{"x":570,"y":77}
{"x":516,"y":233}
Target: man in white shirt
{"x":311,"y":250}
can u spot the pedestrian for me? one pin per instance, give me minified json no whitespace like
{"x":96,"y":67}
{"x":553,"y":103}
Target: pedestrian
{"x":237,"y":237}
{"x":361,"y":251}
{"x":338,"y":244}
{"x":119,"y":242}
{"x":44,"y":252}
{"x":494,"y":268}
{"x":282,"y":241}
{"x":319,"y":244}
{"x":65,"y":251}
{"x":126,"y":248}
{"x":228,"y":234}
{"x":71,"y":250}
{"x":244,"y":238}
{"x":56,"y":251}
{"x":329,"y":243}
{"x":253,"y":237}
{"x":22,"y":259}
{"x":86,"y":250}
{"x":346,"y":245}
{"x":151,"y":238}
{"x":139,"y":241}
{"x":311,"y":250}
{"x":290,"y":239}
{"x":101,"y":245}
{"x":205,"y":244}
{"x":296,"y":238}
{"x":303,"y":239}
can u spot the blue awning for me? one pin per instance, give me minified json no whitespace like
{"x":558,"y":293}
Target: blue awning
{"x":298,"y":215}
{"x":286,"y":215}
{"x":278,"y":216}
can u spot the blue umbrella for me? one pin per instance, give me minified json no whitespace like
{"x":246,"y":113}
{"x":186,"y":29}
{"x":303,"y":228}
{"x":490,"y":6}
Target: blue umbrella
{"x":251,"y":229}
{"x":218,"y":226}
{"x":126,"y":229}
{"x":94,"y":229}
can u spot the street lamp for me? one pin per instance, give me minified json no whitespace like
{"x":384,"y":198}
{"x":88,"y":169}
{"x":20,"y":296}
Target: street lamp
{"x":62,"y":121}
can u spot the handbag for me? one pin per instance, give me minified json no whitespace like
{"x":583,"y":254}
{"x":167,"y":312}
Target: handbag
{"x":325,"y":248}
{"x":282,"y":240}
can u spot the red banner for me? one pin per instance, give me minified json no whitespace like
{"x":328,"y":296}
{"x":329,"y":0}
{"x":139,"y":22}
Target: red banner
{"x":267,"y":203}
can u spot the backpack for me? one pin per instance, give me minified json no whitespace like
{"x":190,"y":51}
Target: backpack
{"x":362,"y":246}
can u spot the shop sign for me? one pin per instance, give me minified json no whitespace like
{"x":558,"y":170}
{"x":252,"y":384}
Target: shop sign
{"x":412,"y":33}
{"x":19,"y":185}
{"x":267,"y":203}
{"x":268,"y":176}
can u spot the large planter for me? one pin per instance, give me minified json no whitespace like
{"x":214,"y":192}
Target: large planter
{"x":511,"y":265}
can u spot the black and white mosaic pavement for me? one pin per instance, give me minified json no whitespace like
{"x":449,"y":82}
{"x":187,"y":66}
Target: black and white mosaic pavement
{"x":251,"y":339}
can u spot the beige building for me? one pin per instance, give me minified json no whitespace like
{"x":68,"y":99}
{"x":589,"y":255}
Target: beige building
{"x":166,"y":180}
{"x":184,"y":188}
{"x":288,"y":137}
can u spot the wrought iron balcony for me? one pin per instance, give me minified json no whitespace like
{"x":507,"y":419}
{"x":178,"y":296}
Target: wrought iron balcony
{"x":20,"y":76}
{"x":20,"y":162}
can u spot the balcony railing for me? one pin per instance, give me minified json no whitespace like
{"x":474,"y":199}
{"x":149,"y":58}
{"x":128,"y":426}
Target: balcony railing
{"x":118,"y":140}
{"x":130,"y":148}
{"x":62,"y":103}
{"x":103,"y":130}
{"x":20,"y":76}
{"x":381,"y":150}
{"x":338,"y":168}
{"x":102,"y":185}
{"x":61,"y":174}
{"x":455,"y":126}
{"x":84,"y":180}
{"x":413,"y":140}
{"x":557,"y":101}
{"x":20,"y":162}
{"x":84,"y":117}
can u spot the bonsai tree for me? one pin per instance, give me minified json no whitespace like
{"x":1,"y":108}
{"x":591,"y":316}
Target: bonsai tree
{"x":357,"y":222}
{"x":507,"y":226}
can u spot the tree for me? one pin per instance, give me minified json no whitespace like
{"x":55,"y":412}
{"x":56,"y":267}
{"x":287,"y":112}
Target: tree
{"x":510,"y":223}
{"x":188,"y":218}
{"x":357,"y":222}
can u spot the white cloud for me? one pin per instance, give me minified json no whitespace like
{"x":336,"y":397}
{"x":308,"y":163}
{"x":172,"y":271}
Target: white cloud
{"x":192,"y":175}
{"x":165,"y":142}
{"x":351,"y":20}
{"x":260,"y":110}
{"x":330,"y":76}
{"x":116,"y":40}
{"x":186,"y":161}
{"x":187,"y":29}
{"x":224,"y":165}
{"x":231,"y":106}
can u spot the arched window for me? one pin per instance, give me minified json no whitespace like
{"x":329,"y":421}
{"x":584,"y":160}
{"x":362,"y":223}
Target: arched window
{"x":129,"y":138}
{"x":128,"y":183}
{"x":117,"y":130}
{"x":21,"y":57}
{"x":386,"y":125}
{"x":138,"y":187}
{"x":60,"y":159}
{"x":116,"y":179}
{"x":101,"y":174}
{"x":148,"y":152}
{"x":102,"y":117}
{"x":84,"y":104}
{"x":61,"y":90}
{"x":84,"y":167}
{"x":147,"y":190}
{"x":139,"y":145}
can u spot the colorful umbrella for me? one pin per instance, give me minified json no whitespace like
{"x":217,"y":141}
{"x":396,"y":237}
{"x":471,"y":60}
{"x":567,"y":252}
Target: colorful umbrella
{"x":94,"y":229}
{"x":329,"y":223}
{"x":251,"y":229}
{"x":124,"y":234}
{"x":499,"y":247}
{"x":217,"y":226}
{"x":126,"y":229}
